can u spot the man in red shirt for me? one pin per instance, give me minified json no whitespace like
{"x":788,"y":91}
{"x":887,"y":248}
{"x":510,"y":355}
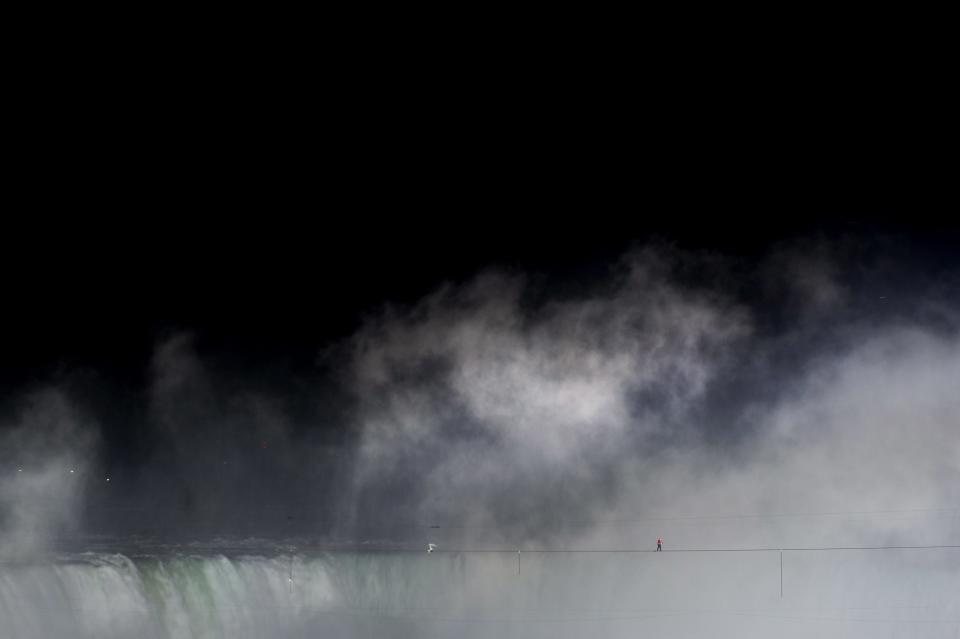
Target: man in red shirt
{"x":659,"y":544}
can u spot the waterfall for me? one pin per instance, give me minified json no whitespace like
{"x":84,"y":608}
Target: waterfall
{"x":447,"y":594}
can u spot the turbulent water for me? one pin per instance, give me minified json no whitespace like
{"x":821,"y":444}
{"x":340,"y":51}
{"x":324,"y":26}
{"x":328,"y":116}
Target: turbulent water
{"x":896,"y":593}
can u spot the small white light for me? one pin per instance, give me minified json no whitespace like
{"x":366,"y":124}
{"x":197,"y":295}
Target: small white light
{"x":108,"y":479}
{"x":71,"y":470}
{"x":19,"y":470}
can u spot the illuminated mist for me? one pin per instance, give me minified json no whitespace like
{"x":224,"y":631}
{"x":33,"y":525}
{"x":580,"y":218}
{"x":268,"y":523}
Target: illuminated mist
{"x":808,"y":400}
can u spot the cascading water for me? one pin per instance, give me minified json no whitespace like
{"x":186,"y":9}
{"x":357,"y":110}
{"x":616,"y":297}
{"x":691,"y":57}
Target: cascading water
{"x":450,"y":594}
